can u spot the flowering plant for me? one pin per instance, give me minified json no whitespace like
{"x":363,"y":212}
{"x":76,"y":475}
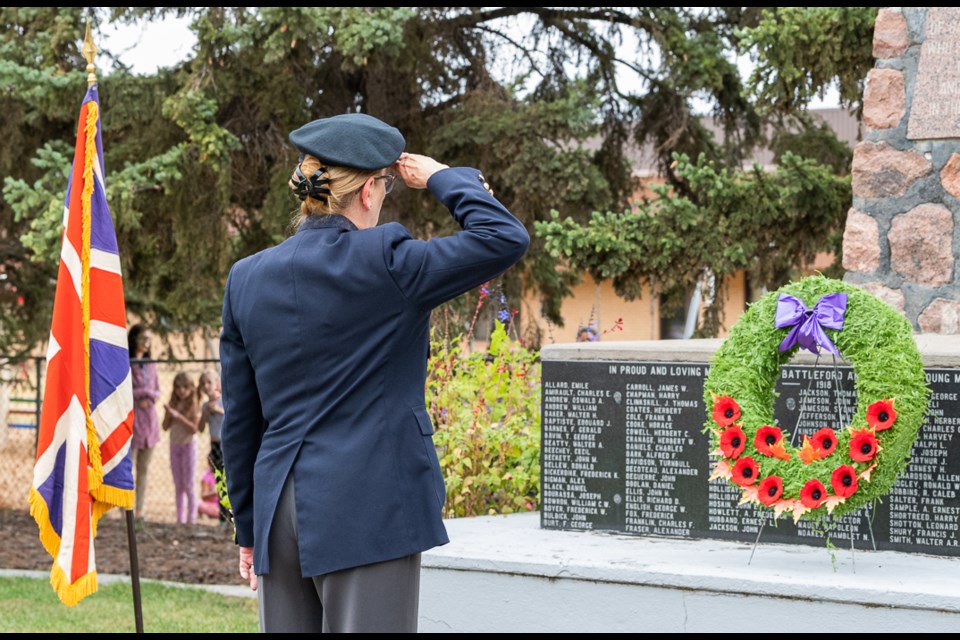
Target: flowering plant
{"x":834,"y":471}
{"x":485,"y":407}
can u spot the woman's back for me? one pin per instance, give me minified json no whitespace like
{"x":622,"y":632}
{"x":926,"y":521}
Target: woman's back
{"x":334,"y":327}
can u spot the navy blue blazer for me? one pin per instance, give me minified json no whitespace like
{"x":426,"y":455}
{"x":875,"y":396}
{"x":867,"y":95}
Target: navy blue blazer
{"x":324,"y":359}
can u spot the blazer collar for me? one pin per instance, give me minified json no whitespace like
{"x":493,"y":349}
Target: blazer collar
{"x":327,"y":221}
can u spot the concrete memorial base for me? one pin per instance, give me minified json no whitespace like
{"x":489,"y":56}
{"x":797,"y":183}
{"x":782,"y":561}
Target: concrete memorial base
{"x":506,"y":574}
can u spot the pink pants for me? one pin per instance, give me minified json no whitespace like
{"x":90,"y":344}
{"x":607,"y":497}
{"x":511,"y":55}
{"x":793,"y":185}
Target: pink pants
{"x":183,"y":463}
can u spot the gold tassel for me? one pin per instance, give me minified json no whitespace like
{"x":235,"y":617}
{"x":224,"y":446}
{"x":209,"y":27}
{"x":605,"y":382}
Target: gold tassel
{"x":93,"y":445}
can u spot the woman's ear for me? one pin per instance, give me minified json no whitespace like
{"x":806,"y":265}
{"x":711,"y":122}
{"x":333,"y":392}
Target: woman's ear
{"x":366,"y":193}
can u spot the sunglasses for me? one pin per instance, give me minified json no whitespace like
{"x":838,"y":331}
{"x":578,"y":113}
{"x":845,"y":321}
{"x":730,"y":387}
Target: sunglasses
{"x":390,"y":178}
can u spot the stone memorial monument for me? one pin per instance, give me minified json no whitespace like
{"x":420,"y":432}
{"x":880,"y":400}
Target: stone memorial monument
{"x":900,"y":241}
{"x":623,"y":448}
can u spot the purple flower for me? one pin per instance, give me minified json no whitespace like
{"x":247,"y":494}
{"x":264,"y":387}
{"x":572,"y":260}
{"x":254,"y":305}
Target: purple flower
{"x":503,"y":315}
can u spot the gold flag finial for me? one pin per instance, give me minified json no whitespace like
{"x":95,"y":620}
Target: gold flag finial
{"x":89,"y":51}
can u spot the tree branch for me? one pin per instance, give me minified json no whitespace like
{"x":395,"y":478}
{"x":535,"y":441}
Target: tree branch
{"x":545,"y":14}
{"x":517,"y":45}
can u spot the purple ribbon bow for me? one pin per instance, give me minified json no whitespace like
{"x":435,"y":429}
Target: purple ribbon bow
{"x":808,"y":326}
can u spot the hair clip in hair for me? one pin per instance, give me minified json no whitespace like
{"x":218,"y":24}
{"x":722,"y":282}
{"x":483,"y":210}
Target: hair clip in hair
{"x":311,"y":187}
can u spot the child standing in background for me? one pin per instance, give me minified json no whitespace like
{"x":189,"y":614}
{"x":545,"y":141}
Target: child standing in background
{"x":211,"y":413}
{"x":146,"y":423}
{"x":182,"y":419}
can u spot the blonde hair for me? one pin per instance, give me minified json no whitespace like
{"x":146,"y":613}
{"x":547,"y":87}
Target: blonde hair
{"x":344,"y":185}
{"x":189,"y":406}
{"x":208,"y":374}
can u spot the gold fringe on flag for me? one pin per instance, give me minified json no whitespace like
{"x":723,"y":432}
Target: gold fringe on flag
{"x":71,"y":594}
{"x":95,"y":477}
{"x":106,"y":498}
{"x":48,"y":537}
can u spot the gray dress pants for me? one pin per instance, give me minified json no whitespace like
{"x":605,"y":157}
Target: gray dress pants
{"x":381,"y":597}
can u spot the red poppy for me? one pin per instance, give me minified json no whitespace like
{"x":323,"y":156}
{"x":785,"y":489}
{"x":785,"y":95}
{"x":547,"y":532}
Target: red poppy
{"x":732,"y":441}
{"x":863,"y":445}
{"x":766,"y":437}
{"x":726,"y":411}
{"x":745,"y":471}
{"x":770,"y":490}
{"x":880,"y":415}
{"x":825,"y":440}
{"x":813,"y":494}
{"x":844,"y":481}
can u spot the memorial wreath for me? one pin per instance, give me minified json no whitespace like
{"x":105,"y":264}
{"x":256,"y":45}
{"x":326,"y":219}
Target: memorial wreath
{"x":834,"y":471}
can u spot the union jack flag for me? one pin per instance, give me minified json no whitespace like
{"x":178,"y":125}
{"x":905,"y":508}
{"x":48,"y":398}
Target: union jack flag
{"x":86,"y":420}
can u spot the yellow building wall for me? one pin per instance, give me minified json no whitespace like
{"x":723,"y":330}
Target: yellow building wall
{"x":640,"y":317}
{"x":735,"y":289}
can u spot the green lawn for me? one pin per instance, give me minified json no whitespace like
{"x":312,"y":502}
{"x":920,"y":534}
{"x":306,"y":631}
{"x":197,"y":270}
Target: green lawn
{"x":29,"y":605}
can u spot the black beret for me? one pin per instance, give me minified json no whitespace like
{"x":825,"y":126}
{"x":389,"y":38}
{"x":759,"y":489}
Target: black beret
{"x":350,"y":140}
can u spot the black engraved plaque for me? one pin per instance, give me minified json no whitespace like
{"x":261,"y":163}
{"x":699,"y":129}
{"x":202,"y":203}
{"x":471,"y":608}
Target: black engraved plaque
{"x":623,"y":450}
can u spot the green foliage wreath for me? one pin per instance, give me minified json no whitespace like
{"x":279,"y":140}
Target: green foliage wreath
{"x":832,"y":473}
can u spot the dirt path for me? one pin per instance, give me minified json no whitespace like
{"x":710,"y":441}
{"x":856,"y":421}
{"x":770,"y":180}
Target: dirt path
{"x":194,"y":554}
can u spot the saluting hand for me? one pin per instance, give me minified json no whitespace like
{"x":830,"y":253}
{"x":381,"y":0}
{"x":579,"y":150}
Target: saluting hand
{"x":415,"y":169}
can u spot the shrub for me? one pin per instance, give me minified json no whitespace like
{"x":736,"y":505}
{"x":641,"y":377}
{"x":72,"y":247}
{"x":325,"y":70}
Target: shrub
{"x":485,"y":408}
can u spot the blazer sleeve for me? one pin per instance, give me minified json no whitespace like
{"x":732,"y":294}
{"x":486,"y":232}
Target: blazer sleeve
{"x":429,"y":273}
{"x":242,"y":428}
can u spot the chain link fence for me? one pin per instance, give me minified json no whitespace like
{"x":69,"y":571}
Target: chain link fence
{"x":21,"y":396}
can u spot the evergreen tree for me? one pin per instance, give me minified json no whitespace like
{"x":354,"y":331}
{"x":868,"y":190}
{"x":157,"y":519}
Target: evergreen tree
{"x":197,"y":158}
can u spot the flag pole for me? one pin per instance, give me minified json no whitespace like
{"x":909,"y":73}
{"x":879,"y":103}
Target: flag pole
{"x":134,"y":572}
{"x":89,"y":51}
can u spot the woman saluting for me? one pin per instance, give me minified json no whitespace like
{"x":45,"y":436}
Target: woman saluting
{"x":330,"y":464}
